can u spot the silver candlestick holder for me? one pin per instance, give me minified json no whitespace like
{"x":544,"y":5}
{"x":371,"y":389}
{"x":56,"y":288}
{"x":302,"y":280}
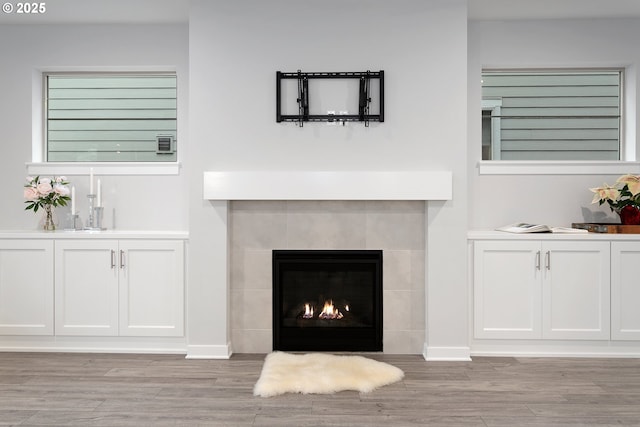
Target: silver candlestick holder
{"x":73,"y":222}
{"x":94,"y":221}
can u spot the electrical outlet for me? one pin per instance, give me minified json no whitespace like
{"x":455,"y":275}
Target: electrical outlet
{"x":331,"y":121}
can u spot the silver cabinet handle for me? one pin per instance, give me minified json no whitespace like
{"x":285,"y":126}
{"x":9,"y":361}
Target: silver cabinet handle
{"x":548,"y":260}
{"x":121,"y":259}
{"x":538,"y":260}
{"x":113,"y":258}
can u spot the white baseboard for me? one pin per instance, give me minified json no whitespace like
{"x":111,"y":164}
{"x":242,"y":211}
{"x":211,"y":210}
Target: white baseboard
{"x":93,"y":344}
{"x":455,"y":354}
{"x":209,"y":351}
{"x":556,"y":349}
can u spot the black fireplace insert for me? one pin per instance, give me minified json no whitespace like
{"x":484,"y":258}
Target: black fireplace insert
{"x":327,"y":300}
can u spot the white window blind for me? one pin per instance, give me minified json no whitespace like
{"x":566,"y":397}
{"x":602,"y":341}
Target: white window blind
{"x":110,"y":118}
{"x":554,"y":115}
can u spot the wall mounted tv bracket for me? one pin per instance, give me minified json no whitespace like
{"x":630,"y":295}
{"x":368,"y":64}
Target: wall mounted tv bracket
{"x":364,"y":99}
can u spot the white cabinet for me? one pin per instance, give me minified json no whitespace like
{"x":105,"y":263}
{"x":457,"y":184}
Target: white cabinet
{"x":119,"y":287}
{"x":26,"y":287}
{"x":576,"y":290}
{"x":506,"y":293}
{"x":530,"y":289}
{"x":625,"y":291}
{"x":86,"y":282}
{"x":151,"y":288}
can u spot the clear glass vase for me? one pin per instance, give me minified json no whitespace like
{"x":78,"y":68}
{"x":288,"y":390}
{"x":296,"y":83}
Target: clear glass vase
{"x":48,"y":218}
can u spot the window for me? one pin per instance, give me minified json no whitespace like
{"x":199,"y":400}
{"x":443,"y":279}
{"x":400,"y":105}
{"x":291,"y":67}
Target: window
{"x":110,"y":117}
{"x":551,"y":115}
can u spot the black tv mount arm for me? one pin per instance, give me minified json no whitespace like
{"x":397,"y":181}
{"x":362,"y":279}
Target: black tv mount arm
{"x":364,"y":98}
{"x":303,"y":98}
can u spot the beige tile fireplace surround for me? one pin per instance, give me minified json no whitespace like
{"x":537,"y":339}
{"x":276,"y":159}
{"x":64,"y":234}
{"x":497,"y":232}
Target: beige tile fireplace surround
{"x":396,"y":227}
{"x":384,"y":210}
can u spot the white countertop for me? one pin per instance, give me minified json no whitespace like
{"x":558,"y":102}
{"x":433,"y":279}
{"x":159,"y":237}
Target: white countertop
{"x":502,"y":235}
{"x":86,"y":234}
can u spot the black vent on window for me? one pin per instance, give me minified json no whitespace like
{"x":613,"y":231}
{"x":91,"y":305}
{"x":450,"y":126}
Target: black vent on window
{"x":164,"y":144}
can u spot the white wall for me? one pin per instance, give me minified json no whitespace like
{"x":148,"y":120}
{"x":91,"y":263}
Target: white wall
{"x":235,"y":50}
{"x":554,"y":199}
{"x":140,"y":202}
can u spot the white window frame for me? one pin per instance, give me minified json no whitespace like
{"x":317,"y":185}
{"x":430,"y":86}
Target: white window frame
{"x":495,"y":106}
{"x":628,"y":164}
{"x":39,"y":166}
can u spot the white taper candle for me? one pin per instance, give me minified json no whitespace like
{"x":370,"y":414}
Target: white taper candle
{"x":73,"y":200}
{"x":99,"y":195}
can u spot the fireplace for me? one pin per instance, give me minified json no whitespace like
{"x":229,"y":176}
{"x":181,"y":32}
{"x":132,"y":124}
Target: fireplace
{"x":253,"y":212}
{"x":327,"y":300}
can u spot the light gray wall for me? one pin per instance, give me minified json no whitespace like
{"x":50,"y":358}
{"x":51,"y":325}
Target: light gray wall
{"x":235,"y":50}
{"x":553,"y":199}
{"x":140,"y":202}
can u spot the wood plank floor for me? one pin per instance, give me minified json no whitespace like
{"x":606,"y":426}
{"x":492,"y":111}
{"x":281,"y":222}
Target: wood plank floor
{"x":157,"y":390}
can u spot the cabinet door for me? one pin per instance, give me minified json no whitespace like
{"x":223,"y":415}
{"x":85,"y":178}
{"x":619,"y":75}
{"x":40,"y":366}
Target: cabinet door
{"x":507,"y":289}
{"x":26,"y":287}
{"x":151,"y":288}
{"x":625,"y":291}
{"x":86,"y":283}
{"x":575,"y":291}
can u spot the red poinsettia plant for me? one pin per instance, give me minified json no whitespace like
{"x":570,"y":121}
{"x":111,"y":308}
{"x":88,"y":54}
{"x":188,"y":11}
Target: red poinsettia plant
{"x":623,"y":197}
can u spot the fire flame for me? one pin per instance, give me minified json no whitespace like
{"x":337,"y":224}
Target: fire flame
{"x":330,"y":312}
{"x":308,"y":312}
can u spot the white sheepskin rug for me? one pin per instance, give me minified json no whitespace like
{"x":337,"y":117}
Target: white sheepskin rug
{"x":321,"y":373}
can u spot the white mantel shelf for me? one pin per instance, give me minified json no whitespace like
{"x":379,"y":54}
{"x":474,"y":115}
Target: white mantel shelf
{"x":328,"y":185}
